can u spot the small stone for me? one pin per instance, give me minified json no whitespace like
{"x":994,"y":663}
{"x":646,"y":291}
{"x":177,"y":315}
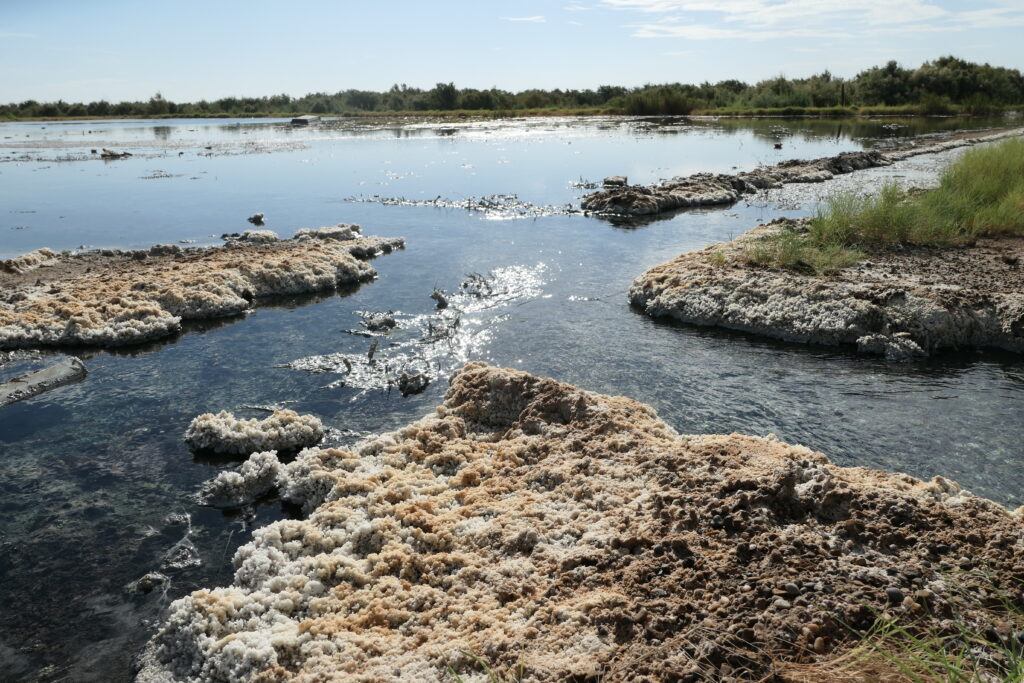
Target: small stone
{"x":781,"y":604}
{"x":894,"y":595}
{"x":820,"y":645}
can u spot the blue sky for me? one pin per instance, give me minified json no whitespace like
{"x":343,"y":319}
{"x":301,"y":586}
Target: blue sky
{"x":188,"y":50}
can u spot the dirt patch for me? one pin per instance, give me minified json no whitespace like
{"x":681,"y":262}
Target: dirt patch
{"x":115,"y":298}
{"x":575,"y":536}
{"x":900,"y":302}
{"x":707,"y":189}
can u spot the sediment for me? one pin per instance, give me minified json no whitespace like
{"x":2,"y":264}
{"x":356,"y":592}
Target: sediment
{"x":708,"y":189}
{"x":900,"y":302}
{"x":114,"y":298}
{"x":566,"y":535}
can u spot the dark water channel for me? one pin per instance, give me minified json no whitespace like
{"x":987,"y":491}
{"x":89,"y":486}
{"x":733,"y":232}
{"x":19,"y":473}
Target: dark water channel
{"x":95,"y":480}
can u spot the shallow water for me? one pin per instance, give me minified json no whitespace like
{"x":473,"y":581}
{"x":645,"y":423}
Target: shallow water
{"x":90,"y":472}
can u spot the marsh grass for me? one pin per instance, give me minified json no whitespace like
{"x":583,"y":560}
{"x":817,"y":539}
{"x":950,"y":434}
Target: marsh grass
{"x":987,"y":650}
{"x":981,"y":194}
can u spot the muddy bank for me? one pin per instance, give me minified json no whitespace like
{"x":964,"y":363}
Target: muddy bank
{"x":114,"y":298}
{"x":708,"y":189}
{"x":900,"y":302}
{"x":577,"y":536}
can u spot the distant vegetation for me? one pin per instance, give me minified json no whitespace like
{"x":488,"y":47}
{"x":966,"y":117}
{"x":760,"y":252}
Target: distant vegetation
{"x":945,"y":86}
{"x":980,"y":194}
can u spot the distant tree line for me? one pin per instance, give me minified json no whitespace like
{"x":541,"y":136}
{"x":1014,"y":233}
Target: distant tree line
{"x":936,"y":87}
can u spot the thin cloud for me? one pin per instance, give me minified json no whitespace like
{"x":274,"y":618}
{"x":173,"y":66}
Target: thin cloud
{"x":766,"y":20}
{"x":534,"y":20}
{"x":25,"y":36}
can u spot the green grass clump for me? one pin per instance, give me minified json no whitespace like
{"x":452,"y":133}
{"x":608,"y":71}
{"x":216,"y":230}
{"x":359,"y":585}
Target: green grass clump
{"x":979,"y":195}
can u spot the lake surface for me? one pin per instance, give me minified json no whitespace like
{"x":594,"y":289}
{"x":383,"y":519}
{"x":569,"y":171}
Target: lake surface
{"x":96,"y":482}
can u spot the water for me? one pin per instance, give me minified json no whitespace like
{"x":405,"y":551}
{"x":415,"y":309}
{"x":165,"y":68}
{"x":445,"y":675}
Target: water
{"x":89,"y":473}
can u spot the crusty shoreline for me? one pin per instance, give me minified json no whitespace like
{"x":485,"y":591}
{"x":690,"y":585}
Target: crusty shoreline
{"x":569,"y":535}
{"x":900,"y":302}
{"x":114,"y":298}
{"x":708,"y":189}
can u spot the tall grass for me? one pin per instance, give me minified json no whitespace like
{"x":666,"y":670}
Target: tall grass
{"x":980,"y":194}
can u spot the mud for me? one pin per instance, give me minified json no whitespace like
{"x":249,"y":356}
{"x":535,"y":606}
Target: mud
{"x":114,"y":298}
{"x":574,"y":536}
{"x":901,"y":302}
{"x":707,"y":189}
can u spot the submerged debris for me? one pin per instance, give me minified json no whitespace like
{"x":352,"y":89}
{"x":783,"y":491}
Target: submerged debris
{"x":111,"y":154}
{"x":284,"y":430}
{"x":148,"y":583}
{"x":379,"y":322}
{"x":423,"y":348}
{"x":493,"y":207}
{"x":565,"y":535}
{"x":412,"y":384}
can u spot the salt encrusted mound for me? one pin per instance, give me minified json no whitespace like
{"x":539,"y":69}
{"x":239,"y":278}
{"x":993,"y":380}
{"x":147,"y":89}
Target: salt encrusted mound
{"x":342,"y":232}
{"x":29,"y":262}
{"x":579,"y":537}
{"x":234,"y":488}
{"x":707,"y":189}
{"x":113,"y":298}
{"x":900,"y":303}
{"x":258,"y":236}
{"x":284,"y":430}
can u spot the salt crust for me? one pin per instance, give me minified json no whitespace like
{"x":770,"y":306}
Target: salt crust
{"x":256,"y":478}
{"x":903,"y":318}
{"x":707,"y":189}
{"x":575,"y":535}
{"x":28,"y":262}
{"x":284,"y":430}
{"x":132,"y":297}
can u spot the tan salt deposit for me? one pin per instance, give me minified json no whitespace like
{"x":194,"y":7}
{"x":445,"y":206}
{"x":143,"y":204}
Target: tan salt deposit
{"x":28,"y":262}
{"x":284,"y":430}
{"x":575,"y":536}
{"x":113,"y":298}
